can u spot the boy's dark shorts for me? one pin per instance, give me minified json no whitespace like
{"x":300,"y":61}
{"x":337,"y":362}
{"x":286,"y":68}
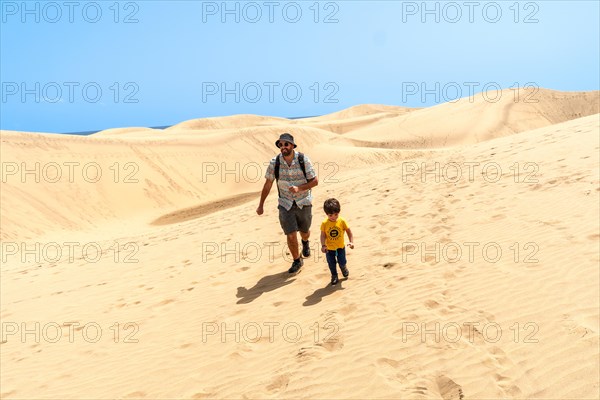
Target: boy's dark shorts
{"x":297,"y":219}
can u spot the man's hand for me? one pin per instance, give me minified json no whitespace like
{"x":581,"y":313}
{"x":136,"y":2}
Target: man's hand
{"x":294,"y":189}
{"x":259,"y":210}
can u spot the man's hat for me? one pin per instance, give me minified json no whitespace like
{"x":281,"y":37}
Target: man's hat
{"x":287,"y":138}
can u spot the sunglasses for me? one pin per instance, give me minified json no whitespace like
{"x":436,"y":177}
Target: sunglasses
{"x":284,"y":144}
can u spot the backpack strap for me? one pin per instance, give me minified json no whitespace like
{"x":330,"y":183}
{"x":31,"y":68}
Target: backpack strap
{"x":277,"y":164}
{"x":301,"y":161}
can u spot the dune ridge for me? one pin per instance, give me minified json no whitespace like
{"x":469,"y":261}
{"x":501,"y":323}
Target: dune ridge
{"x":159,"y":171}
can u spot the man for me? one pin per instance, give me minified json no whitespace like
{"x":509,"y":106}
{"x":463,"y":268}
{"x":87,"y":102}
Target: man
{"x":293,"y":185}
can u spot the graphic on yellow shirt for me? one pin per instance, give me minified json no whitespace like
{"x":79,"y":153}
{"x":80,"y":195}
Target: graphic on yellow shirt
{"x":334,"y":233}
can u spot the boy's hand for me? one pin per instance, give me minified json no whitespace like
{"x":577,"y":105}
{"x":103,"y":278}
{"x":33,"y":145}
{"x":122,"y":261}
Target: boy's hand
{"x":351,"y":245}
{"x":324,"y":249}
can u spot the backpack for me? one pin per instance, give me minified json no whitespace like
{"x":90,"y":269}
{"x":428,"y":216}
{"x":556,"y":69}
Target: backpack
{"x":278,"y":163}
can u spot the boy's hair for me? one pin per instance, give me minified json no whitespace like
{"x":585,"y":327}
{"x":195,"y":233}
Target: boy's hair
{"x":331,"y":206}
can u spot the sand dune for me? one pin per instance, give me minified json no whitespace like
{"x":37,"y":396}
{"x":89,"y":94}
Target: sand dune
{"x":475,"y":272}
{"x":133,"y":131}
{"x":161,"y":171}
{"x":364,"y":110}
{"x":475,"y":119}
{"x":234,"y":121}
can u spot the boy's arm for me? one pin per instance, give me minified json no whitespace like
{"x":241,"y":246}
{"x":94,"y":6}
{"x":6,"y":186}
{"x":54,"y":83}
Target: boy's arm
{"x":323,"y":246}
{"x":350,"y":238}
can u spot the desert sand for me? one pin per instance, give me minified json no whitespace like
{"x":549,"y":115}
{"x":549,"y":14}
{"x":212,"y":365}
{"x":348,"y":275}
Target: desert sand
{"x":134,"y":264}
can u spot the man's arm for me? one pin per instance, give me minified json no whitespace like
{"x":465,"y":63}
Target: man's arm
{"x":310,"y":184}
{"x":263,"y":195}
{"x":306,"y":186}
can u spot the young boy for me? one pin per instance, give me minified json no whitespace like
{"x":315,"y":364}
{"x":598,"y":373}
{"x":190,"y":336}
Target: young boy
{"x":332,"y":239}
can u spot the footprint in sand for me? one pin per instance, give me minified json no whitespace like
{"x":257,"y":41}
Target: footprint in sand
{"x":449,"y":390}
{"x":309,"y":353}
{"x":202,"y":395}
{"x":502,"y":362}
{"x":135,"y":395}
{"x":165,"y":302}
{"x":329,"y":336}
{"x":279,"y":383}
{"x":594,"y":237}
{"x":390,"y":370}
{"x":432,"y":304}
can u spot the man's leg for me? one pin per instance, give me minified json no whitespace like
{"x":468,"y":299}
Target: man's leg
{"x":305,"y":244}
{"x":305,"y":235}
{"x":292,"y":242}
{"x":290,"y":229}
{"x":304,"y":218}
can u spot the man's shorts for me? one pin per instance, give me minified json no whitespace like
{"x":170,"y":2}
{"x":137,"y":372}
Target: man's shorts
{"x":296,"y":219}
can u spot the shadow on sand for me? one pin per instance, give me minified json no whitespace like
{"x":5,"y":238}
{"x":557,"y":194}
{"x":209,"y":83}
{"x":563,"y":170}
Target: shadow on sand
{"x":318,"y":294}
{"x":265,"y":284}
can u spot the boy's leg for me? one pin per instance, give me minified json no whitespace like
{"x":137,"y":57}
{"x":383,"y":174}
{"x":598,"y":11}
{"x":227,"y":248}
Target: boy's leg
{"x":332,"y":265}
{"x":341,"y":255}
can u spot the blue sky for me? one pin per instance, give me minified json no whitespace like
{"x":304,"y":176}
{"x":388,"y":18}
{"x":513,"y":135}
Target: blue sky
{"x":85,"y":65}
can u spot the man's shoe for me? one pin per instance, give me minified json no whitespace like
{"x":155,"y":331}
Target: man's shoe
{"x":296,"y":266}
{"x":345,"y":271}
{"x":305,"y":249}
{"x":334,"y":280}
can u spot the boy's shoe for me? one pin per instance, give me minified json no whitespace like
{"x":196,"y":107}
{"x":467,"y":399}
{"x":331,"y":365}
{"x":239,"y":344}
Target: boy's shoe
{"x":296,"y":266}
{"x":305,"y":249}
{"x":334,"y":280}
{"x":345,"y":271}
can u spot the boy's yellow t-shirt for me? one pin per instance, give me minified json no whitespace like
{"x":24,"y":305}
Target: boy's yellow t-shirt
{"x":334,"y":233}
